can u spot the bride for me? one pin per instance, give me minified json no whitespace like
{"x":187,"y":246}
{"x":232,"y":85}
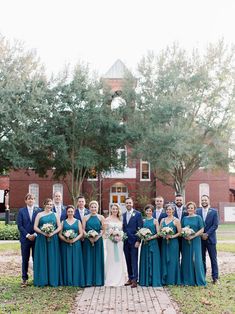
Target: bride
{"x":115,"y":264}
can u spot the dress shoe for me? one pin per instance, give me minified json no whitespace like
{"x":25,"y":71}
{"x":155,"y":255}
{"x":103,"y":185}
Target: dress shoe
{"x":24,"y":283}
{"x":215,"y":282}
{"x":128,"y":283}
{"x":134,"y":284}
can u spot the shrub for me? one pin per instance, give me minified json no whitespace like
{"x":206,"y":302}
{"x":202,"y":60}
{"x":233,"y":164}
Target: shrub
{"x":9,"y":232}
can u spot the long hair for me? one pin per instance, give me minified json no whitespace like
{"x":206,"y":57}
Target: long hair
{"x":119,"y":214}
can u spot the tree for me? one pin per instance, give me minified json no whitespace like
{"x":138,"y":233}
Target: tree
{"x":81,"y":133}
{"x":22,"y":89}
{"x":186,"y":104}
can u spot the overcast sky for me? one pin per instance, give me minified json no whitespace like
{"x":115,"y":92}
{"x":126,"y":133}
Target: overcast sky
{"x":101,"y":31}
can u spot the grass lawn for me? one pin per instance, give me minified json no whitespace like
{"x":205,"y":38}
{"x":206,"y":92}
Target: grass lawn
{"x":214,"y":299}
{"x":226,"y":247}
{"x":226,"y":227}
{"x":4,"y":247}
{"x":14,"y":299}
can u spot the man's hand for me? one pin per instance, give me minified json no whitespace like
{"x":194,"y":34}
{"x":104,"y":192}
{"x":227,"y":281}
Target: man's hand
{"x":137,"y":244}
{"x":31,"y":237}
{"x":204,"y":236}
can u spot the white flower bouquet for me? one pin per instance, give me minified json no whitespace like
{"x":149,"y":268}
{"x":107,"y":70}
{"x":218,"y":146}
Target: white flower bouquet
{"x":48,"y":228}
{"x":91,"y":234}
{"x":186,"y":232}
{"x":144,"y":234}
{"x":116,"y":235}
{"x":166,"y":231}
{"x":69,"y":234}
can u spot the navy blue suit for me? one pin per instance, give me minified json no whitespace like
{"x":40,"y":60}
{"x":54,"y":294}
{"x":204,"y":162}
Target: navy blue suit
{"x":131,"y":253}
{"x":25,"y":226}
{"x":211,"y":225}
{"x":76,"y":214}
{"x":161,"y":216}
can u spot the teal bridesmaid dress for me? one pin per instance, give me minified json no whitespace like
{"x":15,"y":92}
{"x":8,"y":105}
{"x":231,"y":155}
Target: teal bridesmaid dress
{"x":170,"y":258}
{"x":93,"y":256}
{"x":192,"y":270}
{"x":72,"y":259}
{"x":47,"y":268}
{"x":150,"y":262}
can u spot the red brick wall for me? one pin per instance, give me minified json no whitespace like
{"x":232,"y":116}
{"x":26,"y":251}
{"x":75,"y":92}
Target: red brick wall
{"x":4,"y":182}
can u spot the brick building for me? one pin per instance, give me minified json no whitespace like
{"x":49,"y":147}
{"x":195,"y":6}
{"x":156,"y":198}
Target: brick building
{"x":136,"y":180}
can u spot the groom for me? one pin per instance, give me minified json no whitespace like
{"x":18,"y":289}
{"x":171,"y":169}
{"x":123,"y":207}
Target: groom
{"x":132,"y":222}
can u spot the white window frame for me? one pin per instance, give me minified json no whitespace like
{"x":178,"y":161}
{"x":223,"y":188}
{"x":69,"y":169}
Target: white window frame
{"x":34,"y":189}
{"x":141,"y":163}
{"x":92,"y":179}
{"x":204,"y":189}
{"x":57,"y":187}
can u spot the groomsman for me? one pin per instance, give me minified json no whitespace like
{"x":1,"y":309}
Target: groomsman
{"x":211,"y":221}
{"x":81,"y":210}
{"x":58,"y":207}
{"x":180,"y":212}
{"x":159,"y":214}
{"x":25,"y":222}
{"x":132,"y":222}
{"x":159,"y":211}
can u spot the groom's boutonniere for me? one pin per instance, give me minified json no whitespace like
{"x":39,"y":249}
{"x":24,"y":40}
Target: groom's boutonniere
{"x":133,"y":214}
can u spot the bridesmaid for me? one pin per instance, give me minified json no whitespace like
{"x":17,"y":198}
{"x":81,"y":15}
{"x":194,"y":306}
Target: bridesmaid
{"x":93,"y":248}
{"x":170,"y":249}
{"x":150,"y":262}
{"x":71,"y":251}
{"x":192,"y":270}
{"x":47,"y":253}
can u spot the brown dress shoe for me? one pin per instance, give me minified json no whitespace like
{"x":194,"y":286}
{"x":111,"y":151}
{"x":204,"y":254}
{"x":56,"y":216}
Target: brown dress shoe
{"x":24,"y":283}
{"x":128,"y":283}
{"x":134,"y":284}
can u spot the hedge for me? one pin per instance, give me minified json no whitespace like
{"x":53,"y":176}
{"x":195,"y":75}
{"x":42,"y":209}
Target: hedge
{"x":9,"y":232}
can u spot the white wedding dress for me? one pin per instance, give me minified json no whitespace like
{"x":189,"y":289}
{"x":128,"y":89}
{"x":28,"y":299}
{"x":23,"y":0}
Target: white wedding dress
{"x":115,"y":263}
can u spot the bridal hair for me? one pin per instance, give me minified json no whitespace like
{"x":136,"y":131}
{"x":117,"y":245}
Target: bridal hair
{"x":119,"y":214}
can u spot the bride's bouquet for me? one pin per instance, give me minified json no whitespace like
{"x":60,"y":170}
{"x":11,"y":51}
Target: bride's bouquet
{"x":116,"y":235}
{"x":144,"y":234}
{"x":69,"y":235}
{"x":91,"y":234}
{"x":186,"y":232}
{"x":48,"y":228}
{"x":165,"y":231}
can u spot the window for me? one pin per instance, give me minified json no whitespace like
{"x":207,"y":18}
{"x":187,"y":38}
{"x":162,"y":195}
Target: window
{"x":34,"y":189}
{"x":92,"y":175}
{"x":144,"y":171}
{"x":122,"y":155}
{"x":58,"y":187}
{"x":204,"y":189}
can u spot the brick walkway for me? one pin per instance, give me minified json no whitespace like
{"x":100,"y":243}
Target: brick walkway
{"x":114,"y":300}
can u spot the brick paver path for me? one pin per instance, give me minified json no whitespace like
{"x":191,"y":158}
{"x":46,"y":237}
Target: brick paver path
{"x":114,"y":300}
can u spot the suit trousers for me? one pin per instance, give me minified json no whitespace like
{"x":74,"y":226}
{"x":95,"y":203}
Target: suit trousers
{"x":131,"y":255}
{"x":25,"y":253}
{"x":211,"y":248}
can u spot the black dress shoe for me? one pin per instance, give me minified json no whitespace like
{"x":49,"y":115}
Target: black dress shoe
{"x":24,"y":283}
{"x":134,"y":284}
{"x":128,"y":283}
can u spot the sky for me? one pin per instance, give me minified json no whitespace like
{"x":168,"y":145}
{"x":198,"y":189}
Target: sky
{"x":99,"y":32}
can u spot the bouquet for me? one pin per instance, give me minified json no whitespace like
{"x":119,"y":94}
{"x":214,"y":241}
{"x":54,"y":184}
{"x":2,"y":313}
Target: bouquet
{"x":69,"y":235}
{"x":144,"y":234}
{"x":91,"y":234}
{"x":165,"y":231}
{"x":48,"y":228}
{"x":116,"y":235}
{"x":186,"y":232}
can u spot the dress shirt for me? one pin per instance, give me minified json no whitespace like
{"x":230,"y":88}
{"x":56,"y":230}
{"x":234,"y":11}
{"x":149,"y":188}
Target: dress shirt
{"x":158,"y":212}
{"x":204,"y":213}
{"x":30,"y":211}
{"x":128,"y":215}
{"x":179,"y":212}
{"x":82,"y":213}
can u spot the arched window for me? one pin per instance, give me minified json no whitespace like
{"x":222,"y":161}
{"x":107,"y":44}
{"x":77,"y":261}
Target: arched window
{"x":204,"y":189}
{"x":58,"y":187}
{"x":34,"y":189}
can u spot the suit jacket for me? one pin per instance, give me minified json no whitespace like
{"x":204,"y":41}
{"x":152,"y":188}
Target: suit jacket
{"x":76,"y":214}
{"x":184,"y":213}
{"x":211,"y":223}
{"x":25,"y":225}
{"x":161,"y":216}
{"x":134,"y":224}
